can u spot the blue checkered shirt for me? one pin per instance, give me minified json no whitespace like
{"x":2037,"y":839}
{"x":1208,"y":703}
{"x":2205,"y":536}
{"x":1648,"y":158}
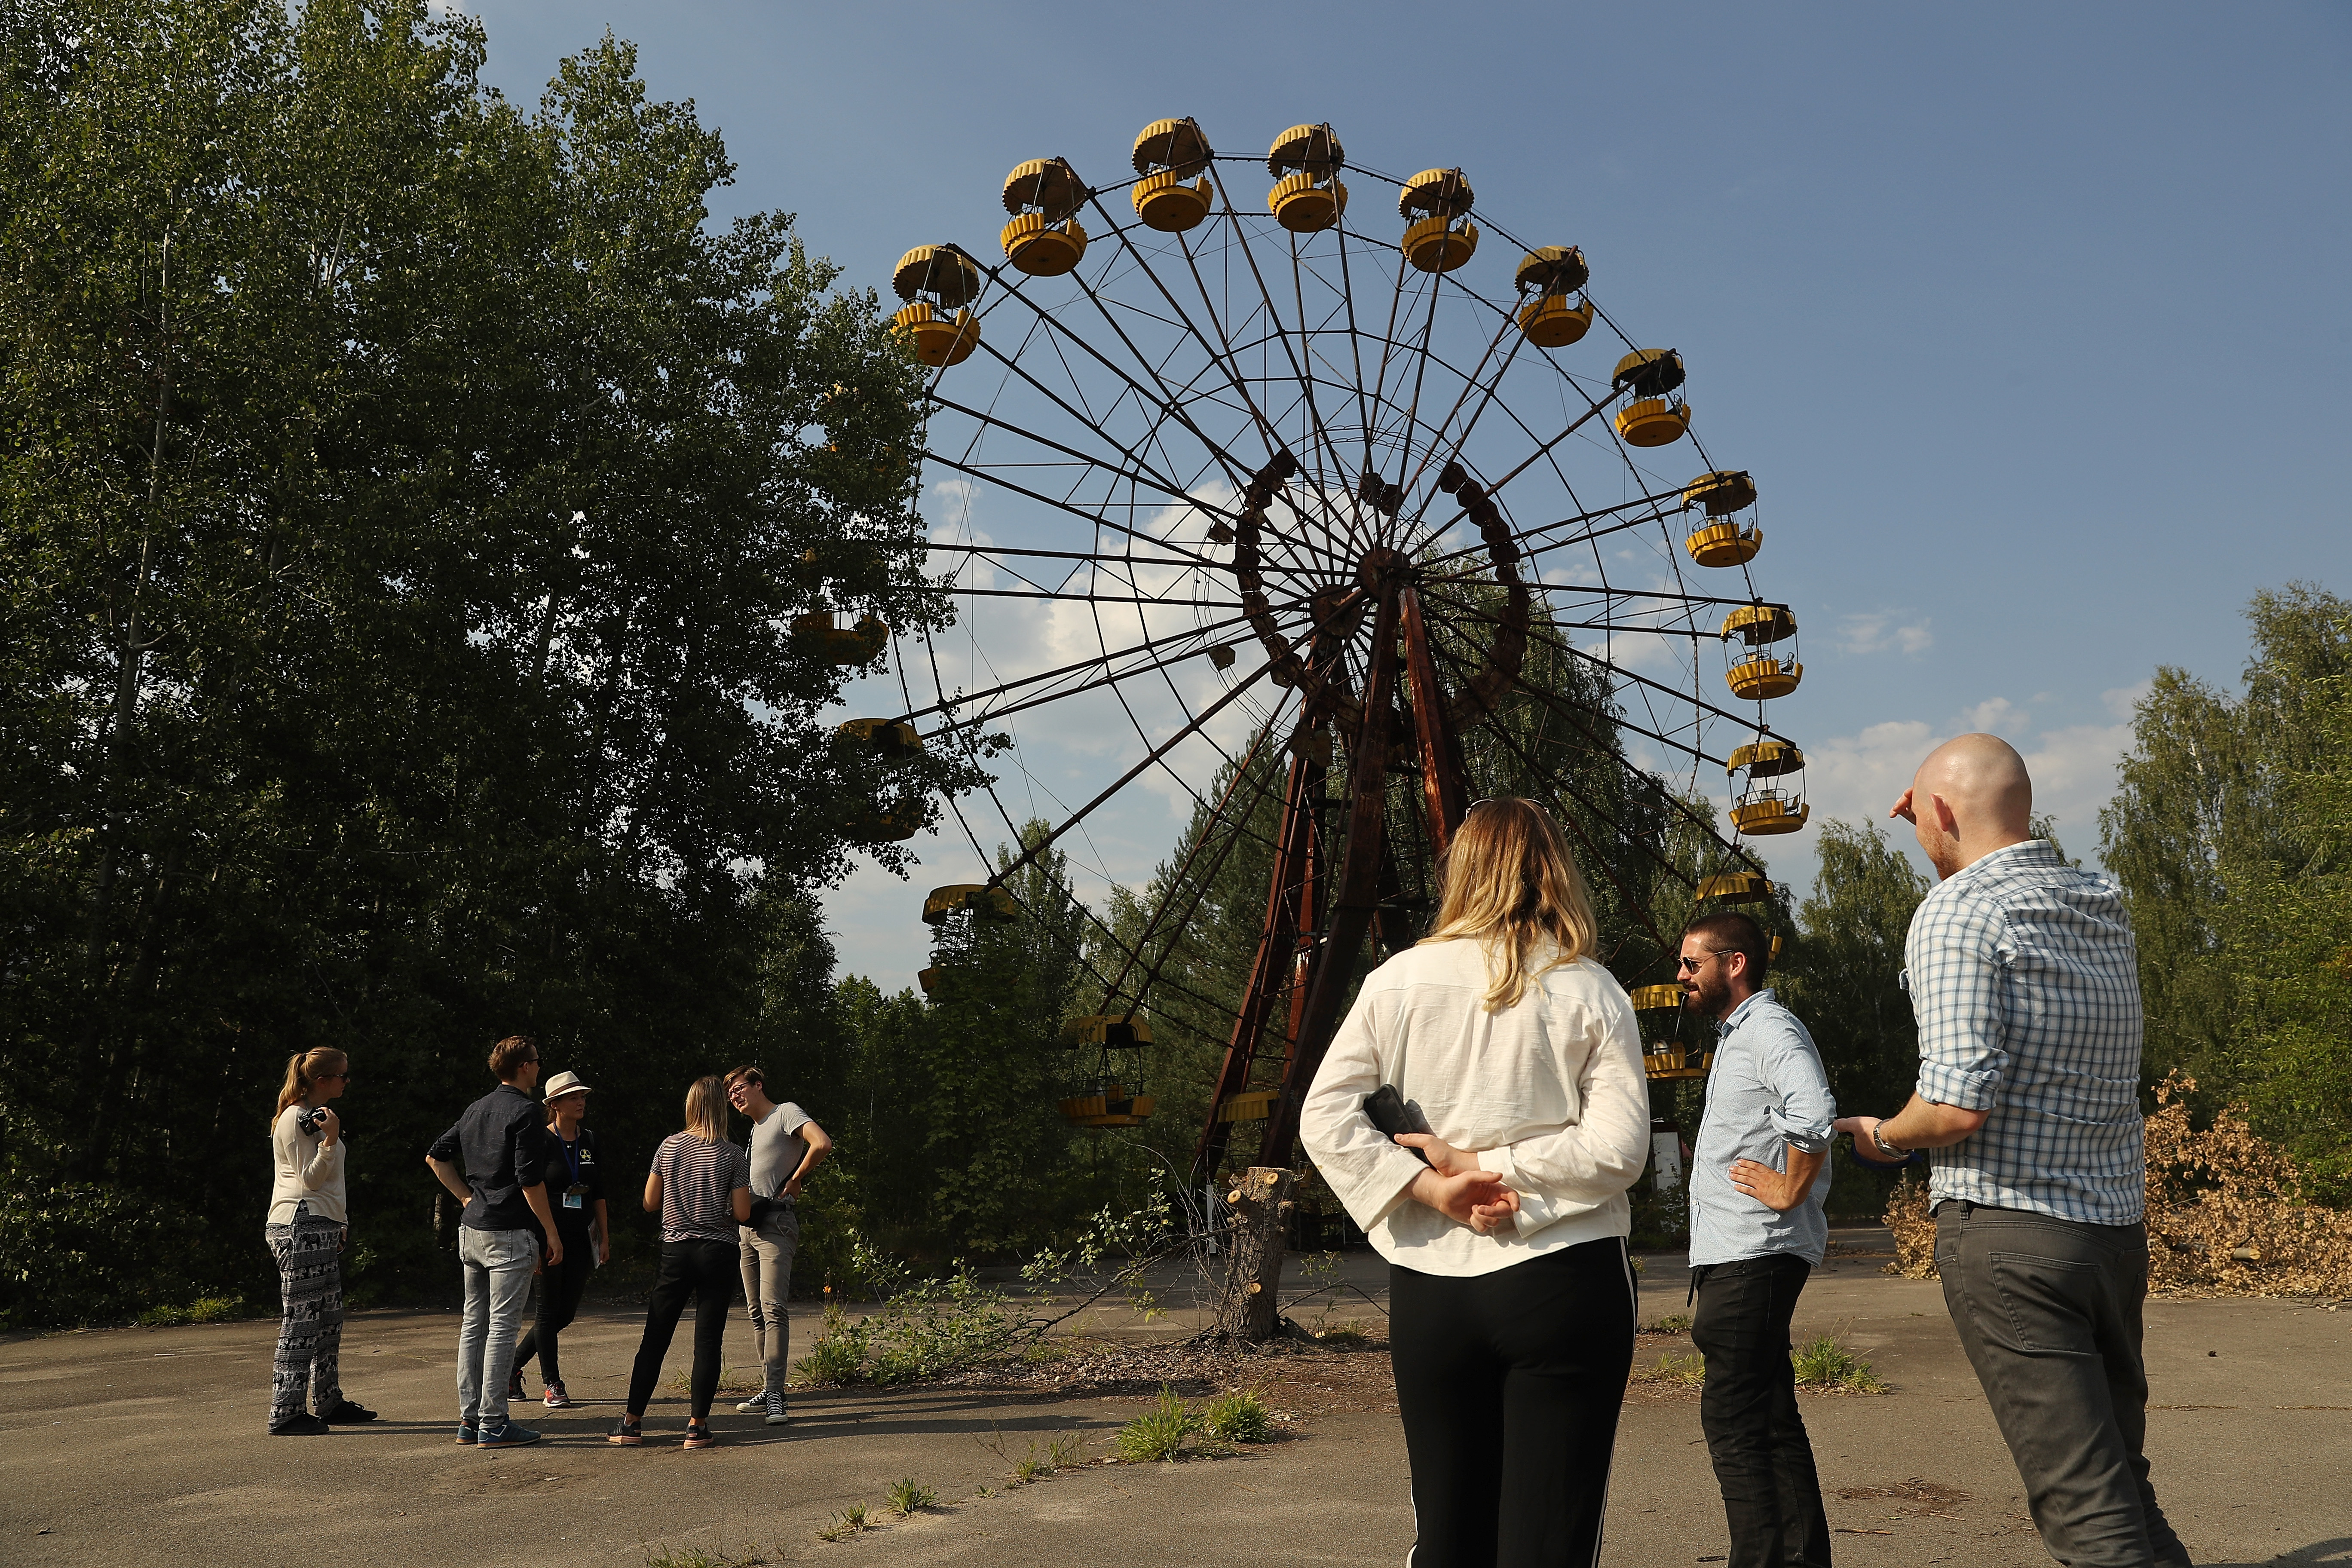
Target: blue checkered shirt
{"x":2026,"y":984}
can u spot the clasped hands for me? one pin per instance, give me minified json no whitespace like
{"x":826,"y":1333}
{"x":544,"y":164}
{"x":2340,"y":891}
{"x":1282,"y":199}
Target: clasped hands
{"x":1458,"y":1187}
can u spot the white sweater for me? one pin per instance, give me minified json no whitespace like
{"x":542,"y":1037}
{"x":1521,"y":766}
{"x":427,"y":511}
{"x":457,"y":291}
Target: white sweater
{"x":1549,"y":1093}
{"x":308,"y":1172}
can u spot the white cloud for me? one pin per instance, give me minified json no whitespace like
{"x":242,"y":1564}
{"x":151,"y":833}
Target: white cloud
{"x":1858,"y":777}
{"x":1882,"y":631}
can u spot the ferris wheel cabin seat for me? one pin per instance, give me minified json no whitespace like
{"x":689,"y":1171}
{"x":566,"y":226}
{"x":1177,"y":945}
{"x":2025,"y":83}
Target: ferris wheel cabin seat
{"x":937,"y":281}
{"x":1044,"y":238}
{"x":1655,"y":417}
{"x":1445,"y":238}
{"x":978,"y":900}
{"x":1553,"y":273}
{"x":1309,"y":195}
{"x":1736,"y":887}
{"x":1168,"y":153}
{"x":1720,"y":541}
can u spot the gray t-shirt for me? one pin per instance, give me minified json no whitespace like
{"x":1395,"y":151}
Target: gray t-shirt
{"x":698,"y":1182}
{"x":777,"y":1149}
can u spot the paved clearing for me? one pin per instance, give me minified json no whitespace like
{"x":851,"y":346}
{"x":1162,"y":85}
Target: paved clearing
{"x":136,"y":1447}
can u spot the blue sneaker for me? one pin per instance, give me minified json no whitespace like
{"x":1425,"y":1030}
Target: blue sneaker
{"x":510,"y":1436}
{"x":466,"y":1433}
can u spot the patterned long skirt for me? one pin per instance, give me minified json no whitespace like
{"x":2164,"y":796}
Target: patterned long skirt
{"x":309,"y":1254}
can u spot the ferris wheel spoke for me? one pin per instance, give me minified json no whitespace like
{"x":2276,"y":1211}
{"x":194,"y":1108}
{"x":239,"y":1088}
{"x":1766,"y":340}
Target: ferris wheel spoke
{"x":1536,"y":634}
{"x":1231,"y":695}
{"x":1143,"y":264}
{"x":1189,"y":634}
{"x":1438,"y":436}
{"x":1301,"y":371}
{"x":990,"y":476}
{"x":1216,"y":818}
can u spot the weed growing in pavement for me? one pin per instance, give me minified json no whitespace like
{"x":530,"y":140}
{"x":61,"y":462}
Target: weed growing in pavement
{"x":696,"y":1557}
{"x":846,"y":1523}
{"x":1672,"y":1324}
{"x":1161,"y":1432}
{"x":1240,"y":1417}
{"x":1686,"y":1370}
{"x":203,"y":1310}
{"x":909,"y":1496}
{"x":835,"y":1357}
{"x":1823,"y":1362}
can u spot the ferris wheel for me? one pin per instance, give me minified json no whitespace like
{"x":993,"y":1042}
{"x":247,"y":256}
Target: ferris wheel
{"x":1276,"y":498}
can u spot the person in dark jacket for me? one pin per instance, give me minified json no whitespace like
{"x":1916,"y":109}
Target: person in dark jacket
{"x":495,"y":1159}
{"x":580,"y":1224}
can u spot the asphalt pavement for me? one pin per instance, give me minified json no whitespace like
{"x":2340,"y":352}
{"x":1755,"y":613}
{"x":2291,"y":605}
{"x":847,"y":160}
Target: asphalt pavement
{"x":135,"y":1447}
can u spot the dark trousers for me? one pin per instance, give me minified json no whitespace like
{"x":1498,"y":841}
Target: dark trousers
{"x":1763,"y":1462}
{"x":1510,"y":1384}
{"x":704,"y":1272}
{"x":559,"y":1303}
{"x":2049,"y":1312}
{"x":309,"y":1254}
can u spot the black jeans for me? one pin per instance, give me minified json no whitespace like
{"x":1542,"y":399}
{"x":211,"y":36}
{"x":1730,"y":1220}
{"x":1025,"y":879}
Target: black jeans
{"x":704,"y":1271}
{"x":1763,"y":1461}
{"x":2049,"y":1312}
{"x":559,"y":1303}
{"x":1510,"y":1384}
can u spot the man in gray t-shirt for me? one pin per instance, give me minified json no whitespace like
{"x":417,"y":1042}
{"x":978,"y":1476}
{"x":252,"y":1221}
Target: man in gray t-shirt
{"x":786,"y":1145}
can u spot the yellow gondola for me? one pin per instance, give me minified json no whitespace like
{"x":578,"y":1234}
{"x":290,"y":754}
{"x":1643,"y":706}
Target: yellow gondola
{"x":1443,"y":237}
{"x":1548,"y":277}
{"x":934,"y":280}
{"x":1168,"y":153}
{"x":980,"y":900}
{"x":1736,"y":887}
{"x":1664,"y":998}
{"x":1044,"y":238}
{"x":1250,"y":1105}
{"x":892,"y":739}
{"x":1308,"y":195}
{"x":1655,"y":417}
{"x":1762,"y":810}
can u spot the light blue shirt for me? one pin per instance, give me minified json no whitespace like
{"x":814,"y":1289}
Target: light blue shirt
{"x":1766,"y":1093}
{"x":2026,"y":984}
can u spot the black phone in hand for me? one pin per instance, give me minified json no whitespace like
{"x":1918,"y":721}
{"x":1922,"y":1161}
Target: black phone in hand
{"x":1392,"y":1115}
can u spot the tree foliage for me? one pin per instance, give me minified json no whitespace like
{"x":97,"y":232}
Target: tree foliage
{"x":2232,"y":834}
{"x":406,"y":501}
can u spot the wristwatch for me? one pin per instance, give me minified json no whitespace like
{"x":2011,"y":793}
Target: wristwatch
{"x":1878,"y":1136}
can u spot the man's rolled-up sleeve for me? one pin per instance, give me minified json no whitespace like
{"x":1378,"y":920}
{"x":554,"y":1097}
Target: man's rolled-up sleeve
{"x":1954,"y":960}
{"x":1801,"y":1106}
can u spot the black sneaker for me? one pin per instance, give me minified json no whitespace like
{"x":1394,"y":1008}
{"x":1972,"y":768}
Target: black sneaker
{"x":774,"y":1406}
{"x":303,"y":1426}
{"x":514,"y":1386}
{"x":510,"y":1436}
{"x":346,"y":1413}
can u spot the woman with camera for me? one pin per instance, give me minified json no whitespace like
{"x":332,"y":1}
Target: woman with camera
{"x":307,"y":1232}
{"x":1503,"y":1217}
{"x":700,"y":1185}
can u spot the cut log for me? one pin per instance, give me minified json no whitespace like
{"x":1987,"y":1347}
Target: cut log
{"x":1258,"y":1207}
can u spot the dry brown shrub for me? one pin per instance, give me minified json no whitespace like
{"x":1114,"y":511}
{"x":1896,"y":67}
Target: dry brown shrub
{"x":1914,"y":1231}
{"x":2225,"y":1215}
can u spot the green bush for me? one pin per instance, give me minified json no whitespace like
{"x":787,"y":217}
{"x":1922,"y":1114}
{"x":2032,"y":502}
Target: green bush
{"x":74,"y":1252}
{"x":1240,"y":1417}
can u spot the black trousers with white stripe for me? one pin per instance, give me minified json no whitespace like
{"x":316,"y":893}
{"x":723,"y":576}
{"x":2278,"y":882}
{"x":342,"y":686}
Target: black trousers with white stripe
{"x":1510,"y":1384}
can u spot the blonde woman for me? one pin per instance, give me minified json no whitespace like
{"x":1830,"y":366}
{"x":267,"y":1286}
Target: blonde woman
{"x":306,"y":1231}
{"x":700,"y":1185}
{"x":1511,"y":1302}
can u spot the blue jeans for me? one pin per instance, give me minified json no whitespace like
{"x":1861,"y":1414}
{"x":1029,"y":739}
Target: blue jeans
{"x":498,"y":1265}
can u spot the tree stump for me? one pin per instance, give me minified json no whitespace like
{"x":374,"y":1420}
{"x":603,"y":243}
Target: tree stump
{"x":1257,"y":1203}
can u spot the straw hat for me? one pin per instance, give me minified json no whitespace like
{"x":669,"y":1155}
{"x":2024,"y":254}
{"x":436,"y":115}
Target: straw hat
{"x":565,"y":1083}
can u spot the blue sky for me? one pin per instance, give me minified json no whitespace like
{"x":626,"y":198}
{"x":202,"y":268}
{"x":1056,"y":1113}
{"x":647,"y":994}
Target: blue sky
{"x":2030,"y":321}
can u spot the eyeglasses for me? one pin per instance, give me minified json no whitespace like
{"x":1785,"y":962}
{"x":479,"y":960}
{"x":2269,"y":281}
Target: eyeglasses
{"x":336,"y":1078}
{"x":1690,"y":965}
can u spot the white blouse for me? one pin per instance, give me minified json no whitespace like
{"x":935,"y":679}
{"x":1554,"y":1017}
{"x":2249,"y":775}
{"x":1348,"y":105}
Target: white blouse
{"x":1549,"y":1093}
{"x":308,"y":1172}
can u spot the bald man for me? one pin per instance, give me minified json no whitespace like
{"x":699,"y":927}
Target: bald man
{"x":2022,"y":973}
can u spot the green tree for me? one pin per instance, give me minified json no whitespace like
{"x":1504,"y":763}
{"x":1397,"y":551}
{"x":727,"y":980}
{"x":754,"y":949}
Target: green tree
{"x":406,"y":502}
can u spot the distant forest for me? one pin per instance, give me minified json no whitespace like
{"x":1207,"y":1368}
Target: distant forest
{"x":406,"y":499}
